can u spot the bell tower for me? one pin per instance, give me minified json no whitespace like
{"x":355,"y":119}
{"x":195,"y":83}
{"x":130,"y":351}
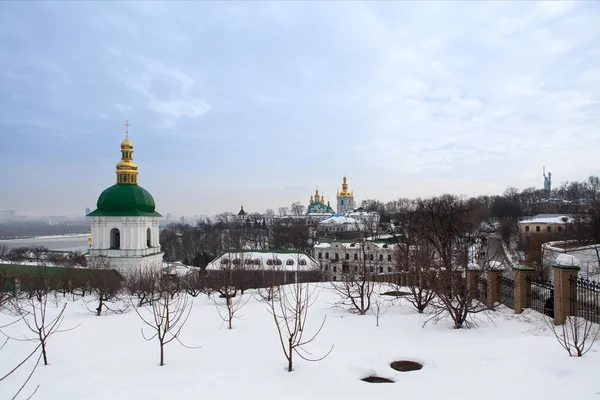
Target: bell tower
{"x":345,"y":199}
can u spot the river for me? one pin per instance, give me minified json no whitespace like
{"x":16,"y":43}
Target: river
{"x":65,"y":243}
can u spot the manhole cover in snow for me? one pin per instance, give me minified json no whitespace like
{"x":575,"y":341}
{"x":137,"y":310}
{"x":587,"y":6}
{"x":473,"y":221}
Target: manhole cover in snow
{"x":405,"y":366}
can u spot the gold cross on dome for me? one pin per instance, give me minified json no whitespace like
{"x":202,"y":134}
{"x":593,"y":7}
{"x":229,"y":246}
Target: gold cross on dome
{"x":127,"y":128}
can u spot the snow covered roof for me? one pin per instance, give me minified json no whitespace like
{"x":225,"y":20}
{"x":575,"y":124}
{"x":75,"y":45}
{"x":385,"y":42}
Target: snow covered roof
{"x":548,"y":219}
{"x":178,"y":268}
{"x":277,"y":259}
{"x":352,"y":245}
{"x":567,"y":260}
{"x":340,"y":219}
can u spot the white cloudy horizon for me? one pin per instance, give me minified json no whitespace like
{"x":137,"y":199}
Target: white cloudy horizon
{"x":261,"y":102}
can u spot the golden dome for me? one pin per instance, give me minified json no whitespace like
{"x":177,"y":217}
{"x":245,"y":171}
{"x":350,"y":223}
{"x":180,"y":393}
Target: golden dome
{"x":126,"y":164}
{"x":126,"y":144}
{"x":345,"y":192}
{"x":127,"y":168}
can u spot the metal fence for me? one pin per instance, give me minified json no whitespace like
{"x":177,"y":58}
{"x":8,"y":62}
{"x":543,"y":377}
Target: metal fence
{"x":507,"y":290}
{"x":482,"y":289}
{"x":584,"y":298}
{"x":541,"y":295}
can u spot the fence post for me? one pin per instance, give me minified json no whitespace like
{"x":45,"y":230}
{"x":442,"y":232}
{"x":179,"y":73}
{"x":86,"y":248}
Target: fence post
{"x":472,"y":282}
{"x":566,"y":266}
{"x":493,"y":287}
{"x":522,"y":272}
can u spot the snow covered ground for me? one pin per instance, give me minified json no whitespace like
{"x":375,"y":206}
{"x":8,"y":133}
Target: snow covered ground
{"x":507,"y":357}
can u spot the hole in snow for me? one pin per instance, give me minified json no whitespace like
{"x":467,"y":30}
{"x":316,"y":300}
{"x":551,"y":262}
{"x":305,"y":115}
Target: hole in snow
{"x":405,"y":366}
{"x":376,"y":379}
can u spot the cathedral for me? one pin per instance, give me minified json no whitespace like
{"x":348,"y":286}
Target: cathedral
{"x":345,"y":202}
{"x":125,"y":232}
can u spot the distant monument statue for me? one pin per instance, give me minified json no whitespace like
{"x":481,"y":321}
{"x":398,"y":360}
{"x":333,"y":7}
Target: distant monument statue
{"x":547,"y":183}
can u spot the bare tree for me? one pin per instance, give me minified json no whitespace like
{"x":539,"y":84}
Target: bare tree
{"x":283,"y":211}
{"x":143,"y":285}
{"x":225,"y":281}
{"x":359,"y":268}
{"x":106,"y":287}
{"x":194,"y":283}
{"x":289,"y":307}
{"x":33,"y":311}
{"x":416,"y":259}
{"x":297,"y":208}
{"x":448,"y":224}
{"x":20,"y":365}
{"x":577,"y":335}
{"x":168,"y":315}
{"x":379,"y":307}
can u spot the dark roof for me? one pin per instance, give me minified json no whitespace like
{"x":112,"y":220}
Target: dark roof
{"x":242,"y":212}
{"x":34,"y":271}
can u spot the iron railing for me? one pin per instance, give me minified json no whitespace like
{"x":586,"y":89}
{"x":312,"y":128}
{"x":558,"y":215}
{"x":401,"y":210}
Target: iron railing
{"x":507,"y":289}
{"x":541,"y":296}
{"x":584,"y":298}
{"x":482,"y":289}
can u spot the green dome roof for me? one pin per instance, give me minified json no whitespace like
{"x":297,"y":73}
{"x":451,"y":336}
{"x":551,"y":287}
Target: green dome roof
{"x":125,"y":200}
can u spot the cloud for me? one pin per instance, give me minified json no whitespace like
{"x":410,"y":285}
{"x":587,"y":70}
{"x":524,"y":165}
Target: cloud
{"x":123,"y":108}
{"x":406,"y":98}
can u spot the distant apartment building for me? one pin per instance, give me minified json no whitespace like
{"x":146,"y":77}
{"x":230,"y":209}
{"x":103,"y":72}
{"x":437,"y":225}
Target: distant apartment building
{"x":57,"y":220}
{"x":544,"y":223}
{"x":338,"y":259}
{"x":7,"y":215}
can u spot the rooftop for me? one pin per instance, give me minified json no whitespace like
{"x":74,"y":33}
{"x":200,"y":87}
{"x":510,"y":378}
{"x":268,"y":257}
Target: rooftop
{"x":548,"y":219}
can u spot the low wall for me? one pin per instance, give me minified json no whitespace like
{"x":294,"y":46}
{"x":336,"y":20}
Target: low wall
{"x":588,"y":256}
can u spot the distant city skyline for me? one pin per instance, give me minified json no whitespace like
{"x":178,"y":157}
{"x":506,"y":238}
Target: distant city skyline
{"x":261,"y":102}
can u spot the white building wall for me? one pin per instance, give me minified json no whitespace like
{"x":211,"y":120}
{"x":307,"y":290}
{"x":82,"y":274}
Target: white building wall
{"x":345,"y":204}
{"x":134,"y":252}
{"x":385,"y":258}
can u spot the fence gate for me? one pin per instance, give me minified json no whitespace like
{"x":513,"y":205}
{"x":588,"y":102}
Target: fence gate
{"x":507,"y":289}
{"x":541,"y":295}
{"x":584,"y":298}
{"x":482,"y":289}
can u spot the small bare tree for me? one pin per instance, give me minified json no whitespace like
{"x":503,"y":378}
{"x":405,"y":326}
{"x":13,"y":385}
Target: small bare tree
{"x":143,"y":286}
{"x":379,"y":307}
{"x":289,"y":307}
{"x":415,"y":261}
{"x":32,"y":310}
{"x":225,"y":281}
{"x":577,"y":335}
{"x":358,"y":274}
{"x":105,"y":285}
{"x":168,"y":314}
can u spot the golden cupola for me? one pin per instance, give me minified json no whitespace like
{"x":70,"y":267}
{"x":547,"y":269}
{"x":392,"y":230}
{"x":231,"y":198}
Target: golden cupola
{"x":127,"y":170}
{"x":345,"y":192}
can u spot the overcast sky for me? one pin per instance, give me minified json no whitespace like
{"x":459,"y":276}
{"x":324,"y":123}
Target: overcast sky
{"x":259,"y":103}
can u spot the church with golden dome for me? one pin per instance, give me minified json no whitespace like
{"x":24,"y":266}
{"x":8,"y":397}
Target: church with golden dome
{"x":345,"y":199}
{"x":125,"y":224}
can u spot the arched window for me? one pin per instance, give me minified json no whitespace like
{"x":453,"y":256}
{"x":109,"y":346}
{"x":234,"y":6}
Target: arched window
{"x":302,"y":262}
{"x":115,"y":239}
{"x":256,"y":261}
{"x":148,"y":238}
{"x":289,"y":262}
{"x":225,"y":261}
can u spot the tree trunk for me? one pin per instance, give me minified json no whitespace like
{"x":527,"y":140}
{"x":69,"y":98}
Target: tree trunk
{"x":100,"y":304}
{"x":162,"y":354}
{"x":290,"y":352}
{"x":44,"y":352}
